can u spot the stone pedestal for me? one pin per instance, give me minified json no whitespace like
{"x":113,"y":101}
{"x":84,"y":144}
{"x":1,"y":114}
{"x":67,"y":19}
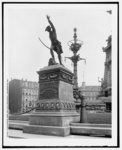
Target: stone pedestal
{"x":55,"y":108}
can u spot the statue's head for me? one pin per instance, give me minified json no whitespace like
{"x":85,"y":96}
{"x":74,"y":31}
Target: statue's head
{"x":48,"y":28}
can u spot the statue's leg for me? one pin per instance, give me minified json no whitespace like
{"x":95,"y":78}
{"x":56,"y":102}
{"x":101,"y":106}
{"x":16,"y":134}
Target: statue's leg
{"x":59,"y":57}
{"x":52,"y":53}
{"x":59,"y":54}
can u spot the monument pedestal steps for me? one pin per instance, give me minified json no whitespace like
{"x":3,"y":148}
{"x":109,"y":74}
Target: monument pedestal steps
{"x":85,"y":129}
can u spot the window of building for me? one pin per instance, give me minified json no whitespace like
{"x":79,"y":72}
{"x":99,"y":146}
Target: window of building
{"x":22,"y":83}
{"x":35,"y":92}
{"x":30,"y":84}
{"x":35,"y":84}
{"x":26,"y":84}
{"x":30,"y":103}
{"x":106,"y":93}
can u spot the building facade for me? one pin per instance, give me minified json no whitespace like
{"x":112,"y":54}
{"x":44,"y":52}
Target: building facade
{"x":22,"y":95}
{"x":107,"y":72}
{"x":90,"y":92}
{"x":106,"y":86}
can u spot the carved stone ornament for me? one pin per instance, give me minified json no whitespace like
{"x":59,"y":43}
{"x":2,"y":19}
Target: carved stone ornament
{"x":55,"y":75}
{"x":55,"y":106}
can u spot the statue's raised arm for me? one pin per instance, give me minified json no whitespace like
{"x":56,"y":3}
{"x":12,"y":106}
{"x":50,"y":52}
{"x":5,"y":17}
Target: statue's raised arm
{"x":51,"y":24}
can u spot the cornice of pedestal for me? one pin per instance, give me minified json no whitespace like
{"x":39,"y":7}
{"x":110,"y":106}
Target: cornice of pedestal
{"x":55,"y":73}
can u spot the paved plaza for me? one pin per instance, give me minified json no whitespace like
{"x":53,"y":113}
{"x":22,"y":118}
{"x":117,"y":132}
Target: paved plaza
{"x":20,"y":134}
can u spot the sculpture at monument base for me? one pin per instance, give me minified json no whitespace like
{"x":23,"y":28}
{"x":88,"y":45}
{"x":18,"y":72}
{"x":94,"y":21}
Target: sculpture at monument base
{"x":51,"y":62}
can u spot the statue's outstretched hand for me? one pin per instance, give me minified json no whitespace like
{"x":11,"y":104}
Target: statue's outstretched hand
{"x":48,"y":17}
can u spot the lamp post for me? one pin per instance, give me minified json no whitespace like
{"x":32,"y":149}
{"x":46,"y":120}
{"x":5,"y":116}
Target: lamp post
{"x":83,"y":111}
{"x":74,"y":46}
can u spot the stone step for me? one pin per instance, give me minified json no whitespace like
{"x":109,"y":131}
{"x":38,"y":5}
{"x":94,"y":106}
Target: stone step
{"x":17,"y":124}
{"x":90,"y":125}
{"x":75,"y":128}
{"x":90,"y":129}
{"x":18,"y":121}
{"x":47,"y":130}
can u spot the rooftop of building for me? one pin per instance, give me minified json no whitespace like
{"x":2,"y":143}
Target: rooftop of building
{"x":25,"y":83}
{"x":89,"y":87}
{"x":23,"y":80}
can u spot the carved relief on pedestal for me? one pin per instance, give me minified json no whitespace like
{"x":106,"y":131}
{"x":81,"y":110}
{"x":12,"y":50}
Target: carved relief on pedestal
{"x":46,"y":77}
{"x":54,"y":106}
{"x":66,"y":77}
{"x":55,"y":76}
{"x":43,"y":77}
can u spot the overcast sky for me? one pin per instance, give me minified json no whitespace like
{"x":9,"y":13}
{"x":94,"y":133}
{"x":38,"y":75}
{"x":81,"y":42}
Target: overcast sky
{"x":25,"y":23}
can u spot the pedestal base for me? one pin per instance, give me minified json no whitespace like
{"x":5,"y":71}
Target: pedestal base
{"x":51,"y":123}
{"x":53,"y":119}
{"x":47,"y":130}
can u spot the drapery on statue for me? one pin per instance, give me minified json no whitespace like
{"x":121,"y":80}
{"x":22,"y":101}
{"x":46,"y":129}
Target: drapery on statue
{"x":55,"y":44}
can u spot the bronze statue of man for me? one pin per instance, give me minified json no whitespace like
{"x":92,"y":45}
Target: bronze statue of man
{"x":55,"y":44}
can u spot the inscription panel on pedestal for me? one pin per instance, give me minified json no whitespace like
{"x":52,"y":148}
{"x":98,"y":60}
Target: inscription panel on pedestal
{"x":48,"y":90}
